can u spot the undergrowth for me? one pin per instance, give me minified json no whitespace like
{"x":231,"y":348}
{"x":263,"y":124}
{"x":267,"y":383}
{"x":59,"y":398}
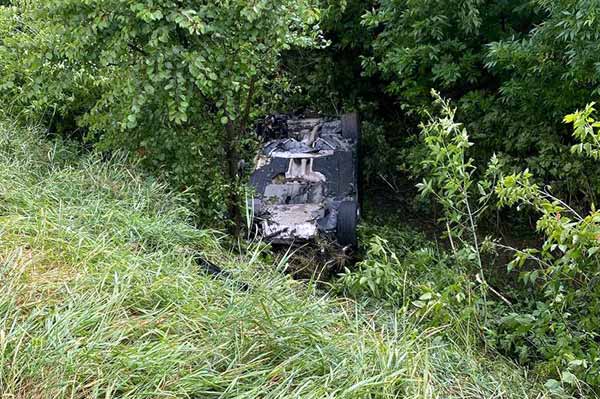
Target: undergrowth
{"x":101,"y":296}
{"x":547,"y":318}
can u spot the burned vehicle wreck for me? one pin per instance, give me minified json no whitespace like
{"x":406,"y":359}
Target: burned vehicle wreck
{"x":306,"y":180}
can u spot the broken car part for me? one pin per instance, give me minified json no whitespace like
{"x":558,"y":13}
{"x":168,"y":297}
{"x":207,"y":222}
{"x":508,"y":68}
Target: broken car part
{"x":214,"y":270}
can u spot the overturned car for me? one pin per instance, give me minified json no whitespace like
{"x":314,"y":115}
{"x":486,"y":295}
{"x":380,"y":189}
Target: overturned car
{"x":306,"y":179}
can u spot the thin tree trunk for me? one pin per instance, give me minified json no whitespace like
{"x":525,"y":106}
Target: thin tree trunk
{"x":234,"y":132}
{"x":232,"y":155}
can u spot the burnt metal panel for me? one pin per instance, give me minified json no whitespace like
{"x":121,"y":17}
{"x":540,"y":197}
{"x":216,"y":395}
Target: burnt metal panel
{"x":265,"y":175}
{"x":339,"y":172}
{"x":351,"y":126}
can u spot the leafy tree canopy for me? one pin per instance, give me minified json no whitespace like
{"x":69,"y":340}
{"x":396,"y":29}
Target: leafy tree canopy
{"x":176,"y":80}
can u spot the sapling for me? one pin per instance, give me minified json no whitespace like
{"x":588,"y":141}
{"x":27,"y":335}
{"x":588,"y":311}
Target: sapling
{"x":450,"y":180}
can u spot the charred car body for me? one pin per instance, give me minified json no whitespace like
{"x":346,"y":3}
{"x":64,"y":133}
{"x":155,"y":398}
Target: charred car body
{"x":306,"y":179}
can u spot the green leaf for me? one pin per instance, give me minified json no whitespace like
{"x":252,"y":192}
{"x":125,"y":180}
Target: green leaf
{"x":419,"y":304}
{"x":554,"y":387}
{"x":426,"y":296}
{"x":569,"y":378}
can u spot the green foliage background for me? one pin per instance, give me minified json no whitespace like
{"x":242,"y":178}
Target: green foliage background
{"x":179,"y":84}
{"x":182,"y":83}
{"x":514,"y":68}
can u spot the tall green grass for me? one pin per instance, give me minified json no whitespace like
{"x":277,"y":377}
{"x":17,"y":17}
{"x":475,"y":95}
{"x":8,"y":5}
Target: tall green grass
{"x":100,"y":297}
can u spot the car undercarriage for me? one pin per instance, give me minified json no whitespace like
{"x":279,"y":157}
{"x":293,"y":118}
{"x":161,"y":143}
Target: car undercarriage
{"x":306,"y":179}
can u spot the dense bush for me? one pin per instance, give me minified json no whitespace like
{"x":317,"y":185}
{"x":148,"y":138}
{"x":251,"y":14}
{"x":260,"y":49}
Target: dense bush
{"x":548,"y":316}
{"x":177,"y":82}
{"x":116,"y":72}
{"x":504,"y":62}
{"x":560,"y":322}
{"x":552,"y":320}
{"x":545,"y":75}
